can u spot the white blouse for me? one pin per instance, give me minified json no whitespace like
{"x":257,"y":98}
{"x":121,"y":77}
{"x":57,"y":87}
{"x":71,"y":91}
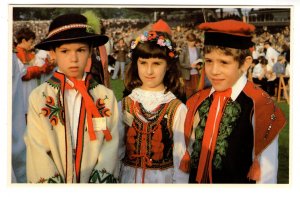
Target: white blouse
{"x":150,"y":100}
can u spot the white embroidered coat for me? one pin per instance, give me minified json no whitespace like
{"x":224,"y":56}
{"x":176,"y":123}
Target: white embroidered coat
{"x":51,"y":157}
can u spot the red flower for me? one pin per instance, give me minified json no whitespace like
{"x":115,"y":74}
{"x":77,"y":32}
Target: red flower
{"x":45,"y":111}
{"x":107,"y":112}
{"x":171,"y":54}
{"x":100,"y":103}
{"x":152,"y":35}
{"x":49,"y":100}
{"x":54,"y":120}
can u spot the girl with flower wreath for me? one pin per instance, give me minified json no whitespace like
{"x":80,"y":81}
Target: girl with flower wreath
{"x":152,"y":118}
{"x":72,"y":134}
{"x":231,"y":129}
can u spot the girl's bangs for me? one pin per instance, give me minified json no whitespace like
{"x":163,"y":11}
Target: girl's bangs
{"x":151,"y":50}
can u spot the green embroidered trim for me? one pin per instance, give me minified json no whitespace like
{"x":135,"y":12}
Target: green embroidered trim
{"x":55,"y":83}
{"x":102,"y":176}
{"x":199,"y":131}
{"x":231,"y":113}
{"x":54,"y":179}
{"x":92,"y":84}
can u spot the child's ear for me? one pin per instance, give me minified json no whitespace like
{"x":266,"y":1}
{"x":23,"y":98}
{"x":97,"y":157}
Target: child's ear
{"x":52,"y":54}
{"x":247,"y":64}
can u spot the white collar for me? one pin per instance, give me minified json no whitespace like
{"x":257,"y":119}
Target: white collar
{"x":151,"y":99}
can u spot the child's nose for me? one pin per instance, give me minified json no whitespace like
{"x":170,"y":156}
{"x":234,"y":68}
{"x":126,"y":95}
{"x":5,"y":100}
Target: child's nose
{"x":74,"y":56}
{"x":215,"y":68}
{"x":149,"y":69}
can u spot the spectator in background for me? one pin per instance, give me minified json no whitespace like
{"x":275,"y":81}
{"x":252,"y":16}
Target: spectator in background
{"x":279,"y":69}
{"x":265,"y":78}
{"x":279,"y":66}
{"x":24,"y":51}
{"x":189,"y":58}
{"x":120,"y":52}
{"x":271,"y":55}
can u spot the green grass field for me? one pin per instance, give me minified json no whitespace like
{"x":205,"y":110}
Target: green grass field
{"x":283,"y":166}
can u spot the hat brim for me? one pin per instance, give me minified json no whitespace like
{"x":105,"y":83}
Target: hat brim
{"x":94,"y":39}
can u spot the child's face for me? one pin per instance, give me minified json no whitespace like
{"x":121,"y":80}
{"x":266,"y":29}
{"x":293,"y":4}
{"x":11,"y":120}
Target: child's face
{"x":27,"y":44}
{"x":72,"y":58}
{"x":222,"y":70}
{"x":152,"y":72}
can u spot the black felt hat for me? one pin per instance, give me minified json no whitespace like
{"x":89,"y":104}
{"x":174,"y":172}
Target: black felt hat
{"x":228,"y":33}
{"x":69,"y":28}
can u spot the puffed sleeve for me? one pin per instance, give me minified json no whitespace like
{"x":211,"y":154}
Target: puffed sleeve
{"x":269,"y":163}
{"x":179,"y":144}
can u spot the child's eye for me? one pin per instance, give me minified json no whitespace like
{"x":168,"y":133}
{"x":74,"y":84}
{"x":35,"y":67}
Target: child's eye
{"x":207,"y":61}
{"x":224,"y":62}
{"x":81,"y":50}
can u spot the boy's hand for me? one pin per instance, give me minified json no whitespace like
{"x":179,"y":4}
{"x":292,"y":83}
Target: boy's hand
{"x":32,"y":73}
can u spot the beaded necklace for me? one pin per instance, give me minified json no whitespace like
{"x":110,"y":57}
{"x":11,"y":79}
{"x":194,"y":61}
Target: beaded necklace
{"x":150,"y":116}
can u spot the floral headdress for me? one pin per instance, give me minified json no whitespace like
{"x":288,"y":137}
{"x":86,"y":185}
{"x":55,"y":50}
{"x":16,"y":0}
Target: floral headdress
{"x":153,"y":36}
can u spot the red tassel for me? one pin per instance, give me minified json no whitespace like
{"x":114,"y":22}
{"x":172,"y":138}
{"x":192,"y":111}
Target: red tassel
{"x":130,"y":147}
{"x":107,"y":135}
{"x":254,"y":172}
{"x":185,"y":162}
{"x":130,"y":140}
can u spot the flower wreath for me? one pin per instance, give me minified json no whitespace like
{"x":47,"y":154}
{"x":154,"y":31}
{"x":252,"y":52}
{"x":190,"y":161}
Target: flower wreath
{"x":152,"y":36}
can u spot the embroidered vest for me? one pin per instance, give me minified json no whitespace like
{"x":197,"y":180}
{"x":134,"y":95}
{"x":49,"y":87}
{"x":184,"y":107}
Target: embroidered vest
{"x":233,"y":154}
{"x":269,"y":121}
{"x":149,"y":144}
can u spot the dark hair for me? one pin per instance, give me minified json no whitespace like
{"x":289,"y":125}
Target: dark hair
{"x":147,"y":50}
{"x":267,"y":42}
{"x":239,"y":55}
{"x":263,"y":61}
{"x":24,"y":33}
{"x":191,"y":37}
{"x":255,"y":61}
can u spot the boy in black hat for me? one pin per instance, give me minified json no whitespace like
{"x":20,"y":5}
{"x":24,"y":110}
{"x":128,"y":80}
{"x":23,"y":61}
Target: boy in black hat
{"x":232,"y":128}
{"x":72,"y":134}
